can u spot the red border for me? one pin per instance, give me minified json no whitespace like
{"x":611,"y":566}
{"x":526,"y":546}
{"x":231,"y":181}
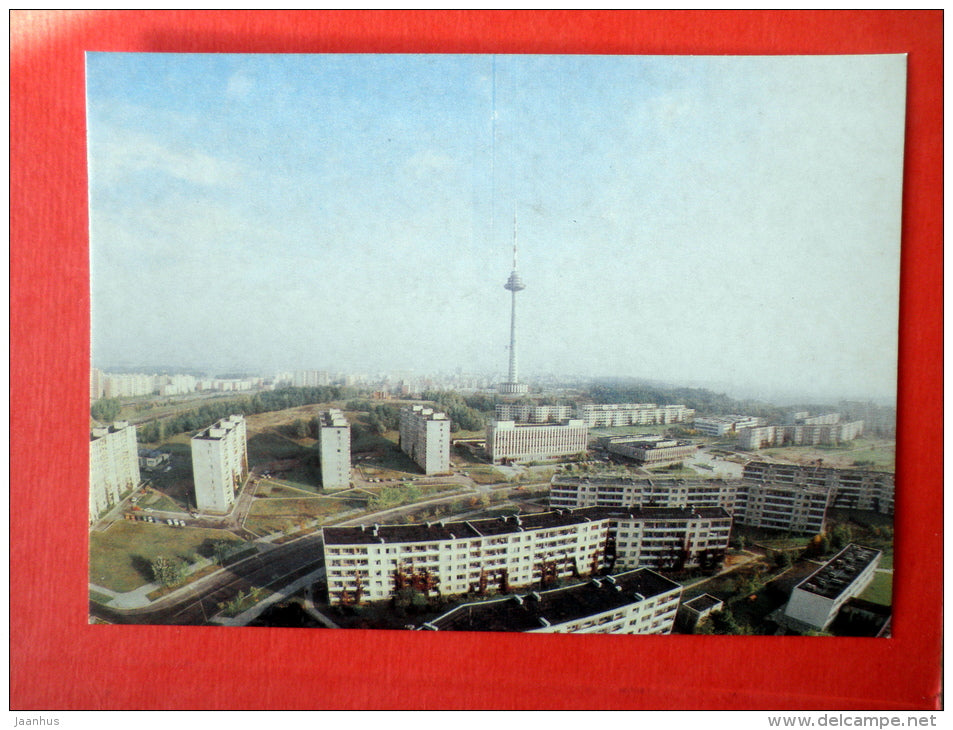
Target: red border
{"x":60,"y":662}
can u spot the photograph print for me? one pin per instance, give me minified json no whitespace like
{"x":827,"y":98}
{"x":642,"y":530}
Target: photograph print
{"x":522,"y":343}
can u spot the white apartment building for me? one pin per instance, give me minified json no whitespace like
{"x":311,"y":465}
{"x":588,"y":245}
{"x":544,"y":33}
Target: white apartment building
{"x":631,"y":414}
{"x":219,"y":463}
{"x":113,"y":466}
{"x":816,"y":600}
{"x":372,"y":562}
{"x":127,"y":385}
{"x":509,"y":442}
{"x":334,"y":444}
{"x":782,"y":507}
{"x":635,"y":602}
{"x":96,"y":384}
{"x":310,"y":378}
{"x":425,"y":438}
{"x":527,"y":413}
{"x":802,"y":434}
{"x":774,"y":506}
{"x":860,"y":489}
{"x":720,"y":425}
{"x":824,"y":419}
{"x":574,"y":492}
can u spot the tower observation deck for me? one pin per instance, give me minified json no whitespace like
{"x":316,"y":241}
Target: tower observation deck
{"x":514,"y":284}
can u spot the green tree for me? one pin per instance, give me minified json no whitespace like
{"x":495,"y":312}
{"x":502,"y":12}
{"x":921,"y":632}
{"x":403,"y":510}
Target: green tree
{"x":167,"y":571}
{"x":106,"y":410}
{"x":840,"y":537}
{"x":722,"y":622}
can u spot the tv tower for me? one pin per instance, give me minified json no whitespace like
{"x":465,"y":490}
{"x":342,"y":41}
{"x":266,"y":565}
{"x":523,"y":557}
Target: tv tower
{"x":514,"y":284}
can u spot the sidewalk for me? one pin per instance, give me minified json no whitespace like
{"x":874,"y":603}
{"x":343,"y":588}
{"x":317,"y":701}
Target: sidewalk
{"x":283,"y":593}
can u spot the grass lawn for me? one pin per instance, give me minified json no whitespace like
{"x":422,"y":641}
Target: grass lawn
{"x":162,"y":503}
{"x":119,"y":558}
{"x":879,"y":453}
{"x":271,"y":446}
{"x":99,"y":597}
{"x":484,"y":475}
{"x":880,"y":589}
{"x":283,"y":489}
{"x":308,"y":507}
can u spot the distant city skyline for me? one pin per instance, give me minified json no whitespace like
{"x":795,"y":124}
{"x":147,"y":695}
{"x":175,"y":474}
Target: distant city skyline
{"x":681,"y":219}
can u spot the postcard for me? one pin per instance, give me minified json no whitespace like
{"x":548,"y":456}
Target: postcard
{"x":520,"y":343}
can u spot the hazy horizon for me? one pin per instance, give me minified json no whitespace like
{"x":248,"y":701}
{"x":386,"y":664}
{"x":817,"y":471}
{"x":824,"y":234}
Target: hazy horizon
{"x":681,"y":219}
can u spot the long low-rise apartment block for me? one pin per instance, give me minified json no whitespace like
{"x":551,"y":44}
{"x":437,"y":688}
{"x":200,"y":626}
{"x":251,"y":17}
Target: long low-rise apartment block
{"x":113,"y":466}
{"x":631,"y":414}
{"x":528,"y":413}
{"x":510,"y":442}
{"x":649,"y":449}
{"x":861,"y":489}
{"x":794,"y":508}
{"x":425,"y":438}
{"x":721,"y":425}
{"x":801,"y":434}
{"x":635,"y":602}
{"x":816,"y":600}
{"x":373,"y":562}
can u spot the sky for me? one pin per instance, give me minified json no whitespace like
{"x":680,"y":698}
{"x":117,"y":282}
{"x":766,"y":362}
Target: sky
{"x":721,"y":221}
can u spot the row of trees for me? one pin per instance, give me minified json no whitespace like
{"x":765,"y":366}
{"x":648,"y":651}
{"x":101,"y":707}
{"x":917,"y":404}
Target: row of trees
{"x":263,"y":402}
{"x":381,"y":416}
{"x":462,"y":414}
{"x":706,"y":402}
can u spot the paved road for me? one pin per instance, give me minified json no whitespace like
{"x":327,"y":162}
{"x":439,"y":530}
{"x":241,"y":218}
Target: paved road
{"x":196,"y":605}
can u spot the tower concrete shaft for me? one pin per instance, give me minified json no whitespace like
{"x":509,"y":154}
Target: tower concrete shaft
{"x":514,"y":284}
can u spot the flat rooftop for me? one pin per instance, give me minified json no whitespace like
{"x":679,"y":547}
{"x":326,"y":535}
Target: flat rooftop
{"x":834,"y":577}
{"x":810,"y":469}
{"x":441,"y":531}
{"x":528,"y":611}
{"x":569,"y":480}
{"x":333,"y":419}
{"x":703,"y":602}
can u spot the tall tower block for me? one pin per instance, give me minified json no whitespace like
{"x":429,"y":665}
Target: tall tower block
{"x":514,"y":284}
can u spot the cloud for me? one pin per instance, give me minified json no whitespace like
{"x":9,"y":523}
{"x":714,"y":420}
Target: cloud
{"x":239,"y":86}
{"x":428,"y":162}
{"x":121,"y":152}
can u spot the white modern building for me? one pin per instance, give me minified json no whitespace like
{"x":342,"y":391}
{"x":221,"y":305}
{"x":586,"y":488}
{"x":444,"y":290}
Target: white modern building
{"x":784,"y":507}
{"x":334,"y":445}
{"x":774,"y":506}
{"x":636,"y":602}
{"x":631,"y":414}
{"x":310,"y":378}
{"x":113,"y":466}
{"x":96,"y":384}
{"x":860,"y":489}
{"x":219,"y":463}
{"x":650,"y":450}
{"x":511,"y":442}
{"x":823,"y":419}
{"x":425,"y":438}
{"x":800,"y":434}
{"x":816,"y":600}
{"x":721,"y":425}
{"x":528,"y":413}
{"x":373,"y":562}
